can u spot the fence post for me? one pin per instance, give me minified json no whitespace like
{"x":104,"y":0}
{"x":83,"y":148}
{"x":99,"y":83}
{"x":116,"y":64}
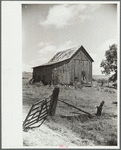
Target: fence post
{"x":53,"y":102}
{"x":99,"y":108}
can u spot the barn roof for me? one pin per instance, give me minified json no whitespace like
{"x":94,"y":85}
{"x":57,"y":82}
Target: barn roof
{"x":65,"y":55}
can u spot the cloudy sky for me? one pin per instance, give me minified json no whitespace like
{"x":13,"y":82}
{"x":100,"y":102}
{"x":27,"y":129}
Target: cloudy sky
{"x":49,"y":28}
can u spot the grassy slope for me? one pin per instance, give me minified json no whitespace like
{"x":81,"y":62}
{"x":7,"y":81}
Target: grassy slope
{"x":100,"y":130}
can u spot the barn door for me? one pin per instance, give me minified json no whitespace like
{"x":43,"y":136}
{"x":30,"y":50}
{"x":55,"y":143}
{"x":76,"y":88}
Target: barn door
{"x":76,"y":69}
{"x":85,"y":71}
{"x":81,"y":70}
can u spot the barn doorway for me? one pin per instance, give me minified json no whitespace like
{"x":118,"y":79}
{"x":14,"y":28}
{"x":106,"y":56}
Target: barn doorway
{"x":85,"y":71}
{"x":76,"y":69}
{"x":81,"y":70}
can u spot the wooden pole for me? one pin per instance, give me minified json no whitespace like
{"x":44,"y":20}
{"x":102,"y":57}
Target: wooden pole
{"x":99,"y":108}
{"x":53,"y":102}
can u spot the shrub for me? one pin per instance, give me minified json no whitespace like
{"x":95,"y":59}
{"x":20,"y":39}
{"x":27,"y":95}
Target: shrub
{"x":102,"y":81}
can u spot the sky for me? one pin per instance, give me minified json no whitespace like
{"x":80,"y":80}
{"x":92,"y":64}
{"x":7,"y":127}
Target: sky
{"x":50,"y":28}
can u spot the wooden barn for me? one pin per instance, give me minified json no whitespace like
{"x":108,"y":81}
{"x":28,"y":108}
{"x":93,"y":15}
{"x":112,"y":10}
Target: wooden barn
{"x":66,"y":67}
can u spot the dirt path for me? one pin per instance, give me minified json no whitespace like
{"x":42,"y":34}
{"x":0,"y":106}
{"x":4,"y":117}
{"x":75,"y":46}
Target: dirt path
{"x":45,"y":137}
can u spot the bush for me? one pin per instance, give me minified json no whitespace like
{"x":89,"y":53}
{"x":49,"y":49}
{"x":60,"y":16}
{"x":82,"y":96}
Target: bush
{"x":102,"y":81}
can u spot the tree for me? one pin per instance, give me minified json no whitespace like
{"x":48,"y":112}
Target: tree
{"x":110,"y":63}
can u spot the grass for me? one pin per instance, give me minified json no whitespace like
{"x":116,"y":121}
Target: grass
{"x":100,"y":130}
{"x":85,"y":128}
{"x":104,"y":88}
{"x":96,"y":129}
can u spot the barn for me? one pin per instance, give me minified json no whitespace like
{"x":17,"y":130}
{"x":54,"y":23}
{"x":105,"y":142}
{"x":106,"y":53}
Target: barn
{"x":66,"y":67}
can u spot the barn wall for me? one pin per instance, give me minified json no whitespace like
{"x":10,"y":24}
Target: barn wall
{"x":80,"y":64}
{"x":60,"y":73}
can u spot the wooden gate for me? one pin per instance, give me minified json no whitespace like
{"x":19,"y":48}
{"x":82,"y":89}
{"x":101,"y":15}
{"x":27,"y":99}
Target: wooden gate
{"x":40,"y":110}
{"x":37,"y":114}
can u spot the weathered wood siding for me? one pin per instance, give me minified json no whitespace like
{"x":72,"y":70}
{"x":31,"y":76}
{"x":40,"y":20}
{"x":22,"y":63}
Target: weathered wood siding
{"x":78,"y":64}
{"x":60,"y":73}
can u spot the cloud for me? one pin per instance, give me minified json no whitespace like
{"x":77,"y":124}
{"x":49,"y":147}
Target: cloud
{"x":63,"y":15}
{"x":105,"y":46}
{"x":59,"y":16}
{"x":46,"y":53}
{"x":40,"y":44}
{"x":47,"y":49}
{"x":64,"y":46}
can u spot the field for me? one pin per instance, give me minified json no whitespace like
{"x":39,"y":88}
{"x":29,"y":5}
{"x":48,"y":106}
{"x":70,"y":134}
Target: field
{"x":70,"y":127}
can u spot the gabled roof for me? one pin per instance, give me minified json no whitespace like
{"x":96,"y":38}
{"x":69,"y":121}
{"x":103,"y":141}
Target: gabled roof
{"x":65,"y":55}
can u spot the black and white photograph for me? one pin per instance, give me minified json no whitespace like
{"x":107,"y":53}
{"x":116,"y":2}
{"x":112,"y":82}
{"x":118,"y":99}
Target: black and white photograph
{"x":69,"y":74}
{"x":69,"y":79}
